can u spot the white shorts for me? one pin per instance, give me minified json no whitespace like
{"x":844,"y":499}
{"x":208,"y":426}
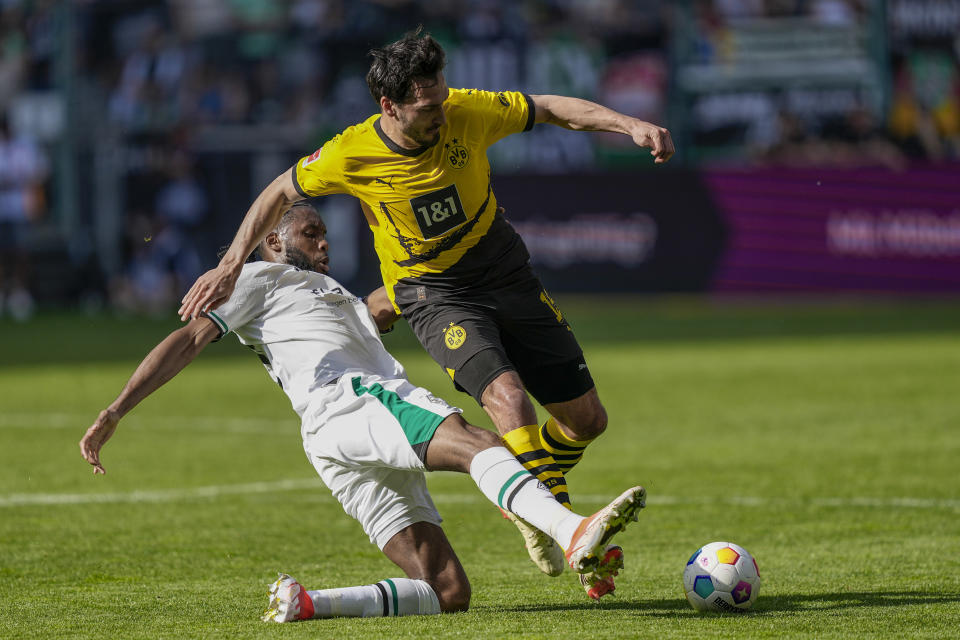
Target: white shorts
{"x":367,"y":437}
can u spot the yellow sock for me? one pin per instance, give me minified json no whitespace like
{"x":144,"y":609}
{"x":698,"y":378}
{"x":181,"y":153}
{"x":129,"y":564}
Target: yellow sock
{"x":566,"y":451}
{"x":524,"y":443}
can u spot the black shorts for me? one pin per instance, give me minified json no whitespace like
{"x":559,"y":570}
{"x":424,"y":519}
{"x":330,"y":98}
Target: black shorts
{"x":477,"y":334}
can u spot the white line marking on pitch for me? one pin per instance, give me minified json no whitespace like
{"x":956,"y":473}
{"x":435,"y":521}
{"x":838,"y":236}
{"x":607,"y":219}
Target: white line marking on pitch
{"x":215,"y":491}
{"x":28,"y":420}
{"x":162,"y":495}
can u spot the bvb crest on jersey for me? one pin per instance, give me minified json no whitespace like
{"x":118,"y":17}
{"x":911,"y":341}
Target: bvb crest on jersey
{"x":456,"y":153}
{"x":454,"y":336}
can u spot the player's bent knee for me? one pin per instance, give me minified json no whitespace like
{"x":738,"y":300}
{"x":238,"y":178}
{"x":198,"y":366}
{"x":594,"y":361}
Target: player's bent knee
{"x":454,"y":597}
{"x":484,"y":438}
{"x":466,"y":440}
{"x":506,"y":396}
{"x":597,"y":423}
{"x":587,"y":426}
{"x":585,"y":416}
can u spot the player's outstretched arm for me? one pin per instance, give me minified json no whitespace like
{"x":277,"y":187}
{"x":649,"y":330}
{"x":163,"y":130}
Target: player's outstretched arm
{"x":215,"y":286}
{"x":165,"y":361}
{"x":583,"y":115}
{"x":380,"y":307}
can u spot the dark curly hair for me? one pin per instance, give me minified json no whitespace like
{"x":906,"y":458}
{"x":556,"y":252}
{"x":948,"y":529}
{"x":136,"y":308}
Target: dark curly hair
{"x":285,"y":221}
{"x":395,"y":67}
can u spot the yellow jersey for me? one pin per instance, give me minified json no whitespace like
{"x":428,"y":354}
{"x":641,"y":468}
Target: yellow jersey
{"x":432,"y":210}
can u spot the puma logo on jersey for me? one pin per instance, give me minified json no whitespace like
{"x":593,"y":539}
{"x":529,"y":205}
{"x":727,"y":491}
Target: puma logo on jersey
{"x":382,"y":181}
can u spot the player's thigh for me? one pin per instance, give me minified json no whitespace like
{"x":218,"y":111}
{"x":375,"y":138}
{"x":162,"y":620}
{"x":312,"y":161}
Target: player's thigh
{"x":540,"y":343}
{"x":367,"y":439}
{"x":455,"y":444}
{"x":384,"y":501}
{"x":463,"y":338}
{"x":366,"y":420}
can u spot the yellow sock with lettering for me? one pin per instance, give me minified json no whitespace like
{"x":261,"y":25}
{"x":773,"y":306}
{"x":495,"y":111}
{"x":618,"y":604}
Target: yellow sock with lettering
{"x":565,"y":451}
{"x":525,"y":444}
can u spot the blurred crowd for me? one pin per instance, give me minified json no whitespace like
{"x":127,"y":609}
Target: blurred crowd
{"x":836,"y":122}
{"x":154,"y":75}
{"x":300,"y":62}
{"x":824,"y":12}
{"x":167,"y":72}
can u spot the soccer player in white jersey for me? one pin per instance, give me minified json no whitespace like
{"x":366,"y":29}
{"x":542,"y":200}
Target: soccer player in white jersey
{"x":366,"y":429}
{"x":451,"y":263}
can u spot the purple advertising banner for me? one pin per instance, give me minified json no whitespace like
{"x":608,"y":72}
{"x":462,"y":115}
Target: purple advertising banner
{"x":839,"y":230}
{"x":635,"y":231}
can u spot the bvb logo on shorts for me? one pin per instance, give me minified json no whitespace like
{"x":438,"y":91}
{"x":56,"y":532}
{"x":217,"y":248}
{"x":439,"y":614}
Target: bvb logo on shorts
{"x":457,"y":154}
{"x":454,"y":336}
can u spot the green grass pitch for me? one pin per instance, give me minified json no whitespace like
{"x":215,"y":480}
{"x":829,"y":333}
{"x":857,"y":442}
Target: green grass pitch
{"x":825,"y":438}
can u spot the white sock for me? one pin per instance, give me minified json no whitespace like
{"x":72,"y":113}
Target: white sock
{"x":390,"y":597}
{"x":507,"y":484}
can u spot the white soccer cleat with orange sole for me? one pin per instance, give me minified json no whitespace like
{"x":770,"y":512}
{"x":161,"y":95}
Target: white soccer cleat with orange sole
{"x":588,"y":545}
{"x":288,"y":601}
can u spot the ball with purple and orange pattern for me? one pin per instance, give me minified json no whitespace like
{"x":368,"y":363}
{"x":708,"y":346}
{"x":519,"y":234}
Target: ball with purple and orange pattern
{"x":721,"y":576}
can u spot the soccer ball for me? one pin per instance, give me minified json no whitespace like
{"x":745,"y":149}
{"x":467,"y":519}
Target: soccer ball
{"x":721,"y":576}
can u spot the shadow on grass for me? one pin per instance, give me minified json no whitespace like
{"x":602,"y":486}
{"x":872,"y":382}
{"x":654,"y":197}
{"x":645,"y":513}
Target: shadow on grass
{"x":853,"y":599}
{"x":813,"y":602}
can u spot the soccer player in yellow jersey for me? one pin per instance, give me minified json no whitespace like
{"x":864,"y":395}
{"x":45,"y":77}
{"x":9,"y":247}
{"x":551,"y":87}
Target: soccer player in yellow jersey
{"x":451,"y":263}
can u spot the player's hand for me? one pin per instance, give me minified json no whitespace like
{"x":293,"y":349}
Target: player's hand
{"x":209,"y":291}
{"x":657,"y":139}
{"x":96,"y":436}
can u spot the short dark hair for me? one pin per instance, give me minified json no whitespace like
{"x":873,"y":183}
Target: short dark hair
{"x":281,"y":227}
{"x":395,"y":67}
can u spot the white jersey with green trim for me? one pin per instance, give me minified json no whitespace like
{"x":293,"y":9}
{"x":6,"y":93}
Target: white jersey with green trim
{"x":307,"y":329}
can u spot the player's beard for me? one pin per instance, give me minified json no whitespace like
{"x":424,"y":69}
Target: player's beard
{"x":297,"y":258}
{"x":428,"y":140}
{"x":421,"y":137}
